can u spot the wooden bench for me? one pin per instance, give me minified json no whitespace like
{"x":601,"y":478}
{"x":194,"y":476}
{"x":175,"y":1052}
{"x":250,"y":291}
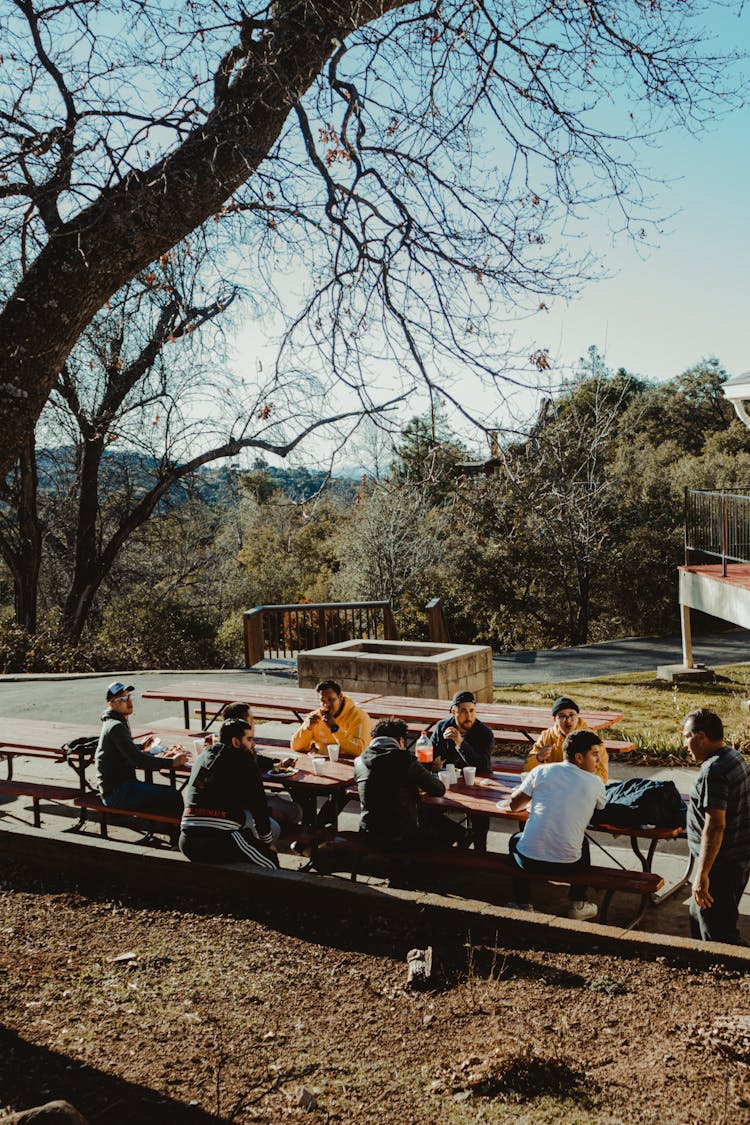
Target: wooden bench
{"x":92,"y":802}
{"x":350,"y":847}
{"x":38,"y":792}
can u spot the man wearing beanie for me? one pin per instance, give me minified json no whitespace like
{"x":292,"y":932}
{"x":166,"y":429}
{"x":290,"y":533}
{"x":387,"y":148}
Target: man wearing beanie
{"x":549,"y":746}
{"x":463,"y":740}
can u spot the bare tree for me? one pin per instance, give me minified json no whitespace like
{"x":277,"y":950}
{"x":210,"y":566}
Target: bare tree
{"x":144,"y":401}
{"x":415,"y":152}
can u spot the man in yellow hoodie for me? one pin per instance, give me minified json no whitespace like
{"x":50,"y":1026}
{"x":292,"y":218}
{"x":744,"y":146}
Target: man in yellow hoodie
{"x":549,"y":746}
{"x":336,"y":720}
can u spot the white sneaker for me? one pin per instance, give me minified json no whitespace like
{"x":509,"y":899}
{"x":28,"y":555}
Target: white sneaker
{"x":583,"y":911}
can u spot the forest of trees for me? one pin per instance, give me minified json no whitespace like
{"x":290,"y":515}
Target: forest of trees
{"x":575,"y":537}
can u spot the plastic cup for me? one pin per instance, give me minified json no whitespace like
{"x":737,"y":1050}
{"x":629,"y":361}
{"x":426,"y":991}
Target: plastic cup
{"x":470,"y":774}
{"x":333,"y":751}
{"x":318,"y":764}
{"x":198,"y":746}
{"x":445,"y":777}
{"x":450,"y":769}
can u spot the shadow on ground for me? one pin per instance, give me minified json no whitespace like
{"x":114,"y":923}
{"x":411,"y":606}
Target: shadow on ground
{"x":98,"y":1096}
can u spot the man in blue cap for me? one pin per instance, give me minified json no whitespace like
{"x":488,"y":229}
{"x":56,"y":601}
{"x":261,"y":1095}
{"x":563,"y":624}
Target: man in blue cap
{"x":118,"y":757}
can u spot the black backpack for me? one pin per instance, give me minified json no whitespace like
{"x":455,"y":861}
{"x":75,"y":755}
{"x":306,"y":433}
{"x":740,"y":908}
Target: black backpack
{"x":79,"y":753}
{"x":641,"y":801}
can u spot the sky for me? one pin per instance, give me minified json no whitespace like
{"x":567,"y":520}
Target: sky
{"x":662,"y":310}
{"x":659,"y":309}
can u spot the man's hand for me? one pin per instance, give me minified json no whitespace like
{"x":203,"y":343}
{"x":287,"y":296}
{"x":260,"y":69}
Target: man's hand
{"x":701,"y":893}
{"x":148,"y":741}
{"x":453,"y":734}
{"x":437,"y":764}
{"x":543,"y":753}
{"x":311,"y":720}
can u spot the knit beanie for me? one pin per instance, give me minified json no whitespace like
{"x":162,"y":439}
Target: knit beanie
{"x":564,"y":704}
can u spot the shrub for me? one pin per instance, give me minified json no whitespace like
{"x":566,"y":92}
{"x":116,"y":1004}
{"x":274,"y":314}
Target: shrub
{"x":139,"y":634}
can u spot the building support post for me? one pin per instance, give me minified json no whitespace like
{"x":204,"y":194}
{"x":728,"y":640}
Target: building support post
{"x":687,"y":640}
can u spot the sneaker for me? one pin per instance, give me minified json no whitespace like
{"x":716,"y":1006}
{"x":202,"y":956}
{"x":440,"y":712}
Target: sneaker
{"x":519,"y":906}
{"x":583,"y":911}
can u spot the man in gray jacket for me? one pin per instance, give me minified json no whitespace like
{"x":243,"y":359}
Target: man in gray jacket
{"x":118,"y":757}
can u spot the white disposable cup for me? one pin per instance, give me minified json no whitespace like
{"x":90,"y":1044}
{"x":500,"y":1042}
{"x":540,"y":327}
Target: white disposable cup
{"x":318,"y":764}
{"x":450,"y":769}
{"x":333,"y":751}
{"x":445,"y":777}
{"x":470,"y":774}
{"x":198,"y":746}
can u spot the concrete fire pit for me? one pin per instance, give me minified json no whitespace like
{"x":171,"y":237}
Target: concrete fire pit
{"x":414,"y":668}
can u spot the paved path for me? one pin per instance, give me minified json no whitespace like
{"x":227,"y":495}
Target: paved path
{"x":629,"y":654}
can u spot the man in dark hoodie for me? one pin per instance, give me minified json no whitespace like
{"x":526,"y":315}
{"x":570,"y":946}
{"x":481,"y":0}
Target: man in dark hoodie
{"x":463,"y":740}
{"x":226,"y":815}
{"x":389,"y":780}
{"x":118,"y":757}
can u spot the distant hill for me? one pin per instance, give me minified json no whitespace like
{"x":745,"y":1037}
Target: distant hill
{"x":213,"y":483}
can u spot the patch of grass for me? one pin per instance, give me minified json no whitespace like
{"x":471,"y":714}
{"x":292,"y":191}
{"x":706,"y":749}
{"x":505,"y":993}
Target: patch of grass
{"x":607,"y":985}
{"x":652,"y":710}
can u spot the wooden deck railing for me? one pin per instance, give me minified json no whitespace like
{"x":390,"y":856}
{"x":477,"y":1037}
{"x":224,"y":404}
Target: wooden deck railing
{"x":436,"y":621}
{"x":284,"y":630}
{"x":717,"y":523}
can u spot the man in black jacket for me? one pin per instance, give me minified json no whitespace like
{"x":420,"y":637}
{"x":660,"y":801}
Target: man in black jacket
{"x":226,"y":815}
{"x":465,"y":741}
{"x":389,"y":780}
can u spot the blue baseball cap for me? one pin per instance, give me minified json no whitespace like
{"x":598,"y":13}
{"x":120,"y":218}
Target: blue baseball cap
{"x":117,"y":688}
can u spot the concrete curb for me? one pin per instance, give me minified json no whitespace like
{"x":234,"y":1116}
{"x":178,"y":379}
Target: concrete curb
{"x":108,"y":867}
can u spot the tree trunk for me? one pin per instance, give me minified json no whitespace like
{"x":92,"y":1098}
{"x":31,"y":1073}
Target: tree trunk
{"x":88,"y":571}
{"x":94,"y":254}
{"x":28,"y":557}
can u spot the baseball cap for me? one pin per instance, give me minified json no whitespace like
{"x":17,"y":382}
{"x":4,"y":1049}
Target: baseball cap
{"x":117,"y":688}
{"x":463,"y":697}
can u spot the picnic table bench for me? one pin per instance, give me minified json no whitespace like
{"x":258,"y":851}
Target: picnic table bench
{"x":346,"y":850}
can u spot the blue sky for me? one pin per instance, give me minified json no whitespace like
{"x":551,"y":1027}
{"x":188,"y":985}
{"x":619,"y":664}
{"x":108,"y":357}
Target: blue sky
{"x":664,"y":309}
{"x":656,"y":309}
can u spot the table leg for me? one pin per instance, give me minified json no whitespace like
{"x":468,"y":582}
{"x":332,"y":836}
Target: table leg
{"x":658,"y":897}
{"x":8,"y":766}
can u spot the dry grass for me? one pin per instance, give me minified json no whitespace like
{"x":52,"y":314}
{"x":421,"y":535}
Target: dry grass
{"x":652,"y":710}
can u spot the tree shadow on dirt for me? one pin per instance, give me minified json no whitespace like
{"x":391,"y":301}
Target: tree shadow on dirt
{"x":32,"y":1075}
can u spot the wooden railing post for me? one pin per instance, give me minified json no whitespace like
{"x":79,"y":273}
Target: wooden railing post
{"x":254,"y":648}
{"x":390,"y":632}
{"x":437,"y":625}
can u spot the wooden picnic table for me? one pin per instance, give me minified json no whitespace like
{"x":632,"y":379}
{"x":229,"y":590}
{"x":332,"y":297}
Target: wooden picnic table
{"x":485,"y":796}
{"x":529,"y":721}
{"x":292,"y":704}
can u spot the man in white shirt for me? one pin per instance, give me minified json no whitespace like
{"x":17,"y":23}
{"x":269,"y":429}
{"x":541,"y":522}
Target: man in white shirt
{"x":563,"y":797}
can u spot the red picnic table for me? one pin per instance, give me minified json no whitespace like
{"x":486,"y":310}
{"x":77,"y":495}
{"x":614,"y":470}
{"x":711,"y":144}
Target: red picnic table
{"x":292,"y":704}
{"x":497,"y":716}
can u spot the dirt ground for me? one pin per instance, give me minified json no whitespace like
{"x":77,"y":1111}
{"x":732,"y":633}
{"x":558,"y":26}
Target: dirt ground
{"x":138,"y":1014}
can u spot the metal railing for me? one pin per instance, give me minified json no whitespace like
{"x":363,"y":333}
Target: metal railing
{"x":285,"y":630}
{"x":717,"y":523}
